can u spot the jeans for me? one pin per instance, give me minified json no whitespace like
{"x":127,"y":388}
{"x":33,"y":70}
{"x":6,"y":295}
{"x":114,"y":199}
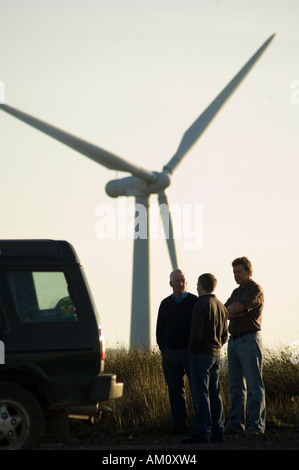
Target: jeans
{"x":246,"y":383}
{"x":208,"y":410}
{"x":176,"y":363}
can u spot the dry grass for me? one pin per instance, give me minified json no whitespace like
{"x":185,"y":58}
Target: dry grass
{"x":144,"y":406}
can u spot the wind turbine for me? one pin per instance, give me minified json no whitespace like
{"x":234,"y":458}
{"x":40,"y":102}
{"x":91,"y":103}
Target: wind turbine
{"x":141,"y":184}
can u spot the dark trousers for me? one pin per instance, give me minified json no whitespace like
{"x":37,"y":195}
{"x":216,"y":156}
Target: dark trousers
{"x":176,"y":363}
{"x":209,"y":416}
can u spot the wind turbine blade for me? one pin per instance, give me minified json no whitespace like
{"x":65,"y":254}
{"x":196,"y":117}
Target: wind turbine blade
{"x":199,"y":126}
{"x":103,"y":157}
{"x":168,"y":228}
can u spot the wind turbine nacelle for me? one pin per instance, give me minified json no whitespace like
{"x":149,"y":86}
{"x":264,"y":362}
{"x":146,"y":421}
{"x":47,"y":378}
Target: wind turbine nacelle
{"x":133,"y":186}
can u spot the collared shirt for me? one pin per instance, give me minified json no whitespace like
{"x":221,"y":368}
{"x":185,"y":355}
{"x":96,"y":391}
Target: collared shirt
{"x":251,"y":296}
{"x":179,"y":299}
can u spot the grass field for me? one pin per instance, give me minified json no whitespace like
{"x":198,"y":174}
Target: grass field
{"x":144,"y":406}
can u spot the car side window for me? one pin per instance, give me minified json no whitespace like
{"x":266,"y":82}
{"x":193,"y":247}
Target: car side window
{"x":41,"y":297}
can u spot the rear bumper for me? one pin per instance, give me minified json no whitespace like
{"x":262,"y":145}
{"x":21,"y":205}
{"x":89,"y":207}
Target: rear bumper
{"x":105,"y":388}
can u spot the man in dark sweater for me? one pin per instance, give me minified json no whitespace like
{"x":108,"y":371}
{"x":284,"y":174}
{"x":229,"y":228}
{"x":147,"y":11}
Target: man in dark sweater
{"x":208,"y":334}
{"x":173,"y":335}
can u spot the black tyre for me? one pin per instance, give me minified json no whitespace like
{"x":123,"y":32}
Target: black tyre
{"x":21,"y":418}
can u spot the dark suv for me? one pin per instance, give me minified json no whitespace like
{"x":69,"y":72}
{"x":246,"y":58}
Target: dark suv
{"x":52,"y":347}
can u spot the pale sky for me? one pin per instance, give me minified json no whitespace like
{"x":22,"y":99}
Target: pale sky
{"x":131,"y":76}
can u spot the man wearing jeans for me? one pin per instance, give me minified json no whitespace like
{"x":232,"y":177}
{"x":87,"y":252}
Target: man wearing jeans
{"x":208,"y":334}
{"x":245,"y":307}
{"x":173,"y":335}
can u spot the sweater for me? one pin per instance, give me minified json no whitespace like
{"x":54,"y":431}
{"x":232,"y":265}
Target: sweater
{"x":209,"y":330}
{"x":174,"y":322}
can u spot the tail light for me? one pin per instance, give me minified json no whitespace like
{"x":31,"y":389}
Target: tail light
{"x":102,"y":342}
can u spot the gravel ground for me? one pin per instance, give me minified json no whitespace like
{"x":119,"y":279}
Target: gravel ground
{"x":274,"y":439}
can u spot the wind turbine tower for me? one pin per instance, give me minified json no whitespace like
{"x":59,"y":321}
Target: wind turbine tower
{"x":141,"y":185}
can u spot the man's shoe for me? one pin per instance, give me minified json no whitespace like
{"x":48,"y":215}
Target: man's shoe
{"x":254,"y":433}
{"x":195,"y":440}
{"x":232,"y":432}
